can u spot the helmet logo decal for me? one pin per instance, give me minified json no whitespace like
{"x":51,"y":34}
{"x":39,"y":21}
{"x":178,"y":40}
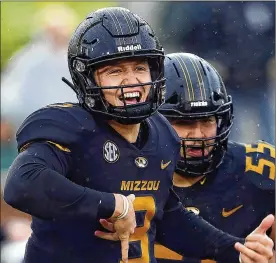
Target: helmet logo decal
{"x":129,"y":47}
{"x":199,"y":103}
{"x":193,"y":209}
{"x":111,"y":152}
{"x":141,"y":162}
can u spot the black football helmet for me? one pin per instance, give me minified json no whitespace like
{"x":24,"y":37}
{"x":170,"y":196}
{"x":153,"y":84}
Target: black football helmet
{"x":194,"y":90}
{"x":110,"y":34}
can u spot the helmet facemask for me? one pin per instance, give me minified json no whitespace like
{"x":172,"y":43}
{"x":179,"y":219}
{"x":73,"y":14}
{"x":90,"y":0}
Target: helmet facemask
{"x":94,"y":100}
{"x":206,"y":163}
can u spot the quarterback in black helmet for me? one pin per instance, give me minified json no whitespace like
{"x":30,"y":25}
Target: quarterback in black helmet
{"x":105,"y":39}
{"x":73,"y":157}
{"x":230,"y":184}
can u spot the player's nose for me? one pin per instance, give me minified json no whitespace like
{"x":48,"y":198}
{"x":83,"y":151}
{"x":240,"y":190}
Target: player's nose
{"x":130,"y":78}
{"x":197,"y":131}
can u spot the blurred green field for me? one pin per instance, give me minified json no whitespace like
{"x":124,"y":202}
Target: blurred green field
{"x":17,"y":22}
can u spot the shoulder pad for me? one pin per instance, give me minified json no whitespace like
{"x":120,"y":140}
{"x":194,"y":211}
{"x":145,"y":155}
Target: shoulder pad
{"x":57,"y":123}
{"x":260,"y":164}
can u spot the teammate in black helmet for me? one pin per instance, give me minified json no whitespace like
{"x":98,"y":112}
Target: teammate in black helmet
{"x":229,"y":184}
{"x":74,"y":157}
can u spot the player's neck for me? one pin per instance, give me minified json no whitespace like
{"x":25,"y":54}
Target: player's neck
{"x":181,"y":181}
{"x":129,"y":132}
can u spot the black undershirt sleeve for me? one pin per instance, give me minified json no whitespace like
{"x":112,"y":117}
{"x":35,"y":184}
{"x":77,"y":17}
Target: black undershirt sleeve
{"x":37,"y":184}
{"x":192,"y":236}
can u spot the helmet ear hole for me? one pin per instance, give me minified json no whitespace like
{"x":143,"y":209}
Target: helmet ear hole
{"x":79,"y":66}
{"x":217,"y":96}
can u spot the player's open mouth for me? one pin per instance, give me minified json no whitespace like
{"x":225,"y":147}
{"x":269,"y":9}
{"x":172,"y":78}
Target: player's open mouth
{"x":131,"y":97}
{"x":196,"y":152}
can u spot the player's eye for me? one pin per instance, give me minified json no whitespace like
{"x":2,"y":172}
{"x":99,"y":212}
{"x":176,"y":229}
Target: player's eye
{"x":141,"y":68}
{"x":114,"y":72}
{"x":210,"y":120}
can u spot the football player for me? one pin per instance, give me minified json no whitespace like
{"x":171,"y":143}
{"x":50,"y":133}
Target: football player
{"x":229,"y":184}
{"x":74,"y":156}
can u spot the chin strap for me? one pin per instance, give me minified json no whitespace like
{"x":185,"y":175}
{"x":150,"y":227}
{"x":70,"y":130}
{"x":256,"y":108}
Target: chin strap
{"x":72,"y":86}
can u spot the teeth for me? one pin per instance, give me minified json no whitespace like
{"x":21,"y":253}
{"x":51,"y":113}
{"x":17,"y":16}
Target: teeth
{"x":135,"y":94}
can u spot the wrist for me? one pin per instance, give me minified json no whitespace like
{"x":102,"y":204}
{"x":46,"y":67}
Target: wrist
{"x":118,"y":206}
{"x":121,"y":206}
{"x":125,"y":208}
{"x":107,"y":205}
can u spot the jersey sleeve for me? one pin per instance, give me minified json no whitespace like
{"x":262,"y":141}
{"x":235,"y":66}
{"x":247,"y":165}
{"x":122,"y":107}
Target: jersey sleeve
{"x":190,"y":235}
{"x":37,"y":180}
{"x":260,"y":165}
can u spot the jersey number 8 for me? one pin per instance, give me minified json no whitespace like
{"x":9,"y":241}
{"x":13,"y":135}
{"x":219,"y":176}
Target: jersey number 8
{"x":143,"y":204}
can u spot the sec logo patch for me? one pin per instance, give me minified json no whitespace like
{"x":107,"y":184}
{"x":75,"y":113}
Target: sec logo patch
{"x":111,"y":152}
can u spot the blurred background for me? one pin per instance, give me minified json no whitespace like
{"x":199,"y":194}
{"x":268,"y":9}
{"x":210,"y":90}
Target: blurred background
{"x":238,"y":38}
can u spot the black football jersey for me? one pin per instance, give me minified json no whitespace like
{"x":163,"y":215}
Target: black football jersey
{"x":103,"y":160}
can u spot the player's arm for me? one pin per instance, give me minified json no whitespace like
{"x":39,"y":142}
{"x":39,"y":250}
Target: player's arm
{"x":37,"y":185}
{"x":190,"y":235}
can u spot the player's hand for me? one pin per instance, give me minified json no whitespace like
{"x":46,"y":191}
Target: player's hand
{"x":258,"y":247}
{"x":120,"y":229}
